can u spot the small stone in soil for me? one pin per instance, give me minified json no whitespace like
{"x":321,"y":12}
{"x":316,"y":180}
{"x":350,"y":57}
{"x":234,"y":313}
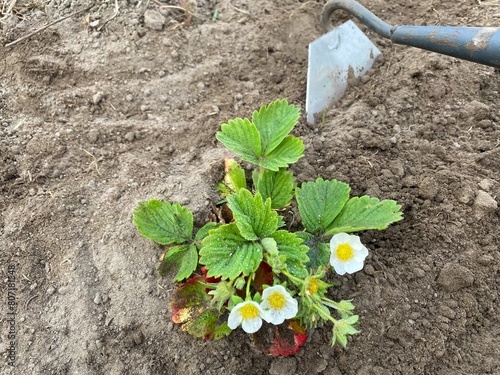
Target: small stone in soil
{"x":486,"y":184}
{"x":369,"y":270}
{"x":477,"y":110}
{"x":153,"y":20}
{"x":283,"y":366}
{"x":486,"y":260}
{"x":484,"y":203}
{"x":428,"y":188}
{"x":98,"y":298}
{"x":130,"y":136}
{"x":318,"y":365}
{"x":454,"y":277}
{"x":418,"y":272}
{"x":98,"y":97}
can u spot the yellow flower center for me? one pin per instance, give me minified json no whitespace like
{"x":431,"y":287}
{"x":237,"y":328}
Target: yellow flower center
{"x":249,"y":311}
{"x":276,"y":301}
{"x":312,"y":285}
{"x":345,"y":252}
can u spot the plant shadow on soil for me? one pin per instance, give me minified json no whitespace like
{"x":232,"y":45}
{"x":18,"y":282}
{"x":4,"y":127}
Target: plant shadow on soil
{"x":97,"y":116}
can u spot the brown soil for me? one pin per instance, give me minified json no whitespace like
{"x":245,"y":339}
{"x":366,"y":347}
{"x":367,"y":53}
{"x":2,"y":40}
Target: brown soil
{"x":96,"y":117}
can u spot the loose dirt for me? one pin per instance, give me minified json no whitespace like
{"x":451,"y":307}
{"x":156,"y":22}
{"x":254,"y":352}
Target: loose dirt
{"x":114,"y":106}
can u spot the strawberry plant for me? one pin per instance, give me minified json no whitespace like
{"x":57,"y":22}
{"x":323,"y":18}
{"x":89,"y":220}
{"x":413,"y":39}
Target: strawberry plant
{"x":252,"y":270}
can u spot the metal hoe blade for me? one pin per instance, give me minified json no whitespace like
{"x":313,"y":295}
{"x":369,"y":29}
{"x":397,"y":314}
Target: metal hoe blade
{"x":342,"y":54}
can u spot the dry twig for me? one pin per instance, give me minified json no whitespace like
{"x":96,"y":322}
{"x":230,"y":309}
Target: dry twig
{"x":117,"y":11}
{"x":28,"y":301}
{"x":187,"y":6}
{"x":488,"y":3}
{"x":239,"y":10}
{"x":93,"y":162}
{"x":7,"y":7}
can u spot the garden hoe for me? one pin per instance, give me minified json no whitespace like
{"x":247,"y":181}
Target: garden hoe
{"x":345,"y":52}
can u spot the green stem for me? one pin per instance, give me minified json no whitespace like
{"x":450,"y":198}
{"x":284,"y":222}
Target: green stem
{"x":209,"y":285}
{"x":291,"y":277}
{"x":214,"y":285}
{"x":261,"y":174}
{"x":247,"y":294}
{"x":331,"y":301}
{"x":328,"y":316}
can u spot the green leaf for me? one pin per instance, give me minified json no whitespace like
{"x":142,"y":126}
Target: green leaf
{"x":319,"y":252}
{"x":163,"y":222}
{"x":265,"y":142}
{"x":203,"y":231}
{"x":234,"y":178}
{"x":205,"y":325}
{"x":221,"y":331}
{"x":227,"y":254}
{"x":344,"y":328}
{"x":320,"y":202}
{"x":236,"y":300}
{"x":276,"y":262}
{"x":185,"y":257}
{"x":343,"y":307}
{"x":295,"y":252}
{"x":191,"y":307}
{"x":363,"y":213}
{"x":222,"y":293}
{"x":270,"y":245}
{"x":304,"y":236}
{"x":279,"y":186}
{"x":322,"y":255}
{"x":254,"y":217}
{"x":186,"y":298}
{"x":274,"y":122}
{"x":202,"y":324}
{"x":281,"y":222}
{"x":287,"y":152}
{"x":241,"y":136}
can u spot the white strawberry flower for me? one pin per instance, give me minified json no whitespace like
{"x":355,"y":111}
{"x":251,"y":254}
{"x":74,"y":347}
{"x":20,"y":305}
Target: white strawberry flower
{"x":347,"y":253}
{"x":249,"y":314}
{"x":278,"y":305}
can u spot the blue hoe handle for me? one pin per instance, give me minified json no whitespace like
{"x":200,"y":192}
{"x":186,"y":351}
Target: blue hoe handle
{"x":476,"y":44}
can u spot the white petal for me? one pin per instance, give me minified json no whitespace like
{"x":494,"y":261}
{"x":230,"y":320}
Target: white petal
{"x":361,"y":254}
{"x":266,"y":315}
{"x":274,"y":289}
{"x":275,"y":317}
{"x":338,"y":239}
{"x":355,"y":241}
{"x":265,"y":304}
{"x":252,"y":325}
{"x":234,"y":319}
{"x":337,"y":265}
{"x":291,"y":309}
{"x":353,"y":266}
{"x":278,"y":316}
